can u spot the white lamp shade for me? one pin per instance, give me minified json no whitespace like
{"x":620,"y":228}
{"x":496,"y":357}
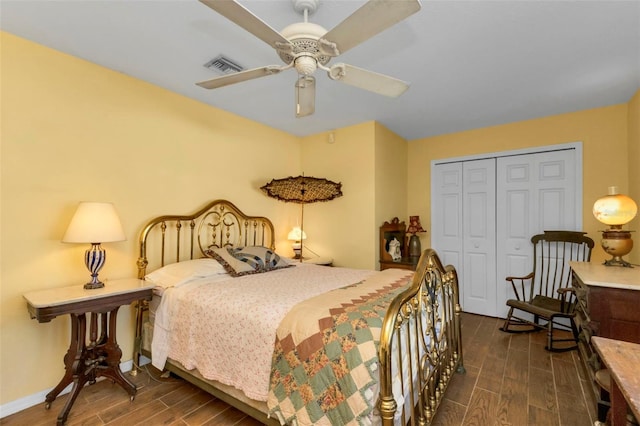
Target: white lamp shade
{"x":615,"y":209}
{"x":94,"y":223}
{"x":297,"y":234}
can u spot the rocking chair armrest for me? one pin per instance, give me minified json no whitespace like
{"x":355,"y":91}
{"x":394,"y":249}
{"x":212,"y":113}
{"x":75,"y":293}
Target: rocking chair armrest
{"x":526,"y":277}
{"x":563,"y":297}
{"x":518,"y":285}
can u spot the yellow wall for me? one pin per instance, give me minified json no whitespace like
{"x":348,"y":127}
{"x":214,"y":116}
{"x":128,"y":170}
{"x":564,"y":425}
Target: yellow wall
{"x":341,"y":228}
{"x":73,"y":131}
{"x":390,"y":182}
{"x":603,"y":132}
{"x":633,"y":159}
{"x":370,"y":162}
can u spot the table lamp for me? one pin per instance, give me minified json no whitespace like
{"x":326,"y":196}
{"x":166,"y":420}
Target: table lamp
{"x":414,"y":227}
{"x":615,"y":210}
{"x":297,"y":235}
{"x":94,"y":223}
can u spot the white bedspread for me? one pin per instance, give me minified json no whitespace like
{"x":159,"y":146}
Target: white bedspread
{"x":226,"y":327}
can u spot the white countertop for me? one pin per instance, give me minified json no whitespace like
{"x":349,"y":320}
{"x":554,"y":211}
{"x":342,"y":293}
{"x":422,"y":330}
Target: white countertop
{"x":77,"y":293}
{"x":597,"y":274}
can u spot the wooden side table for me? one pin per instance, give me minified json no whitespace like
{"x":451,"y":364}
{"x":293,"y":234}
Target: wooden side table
{"x":622,"y":360}
{"x":85,"y":362}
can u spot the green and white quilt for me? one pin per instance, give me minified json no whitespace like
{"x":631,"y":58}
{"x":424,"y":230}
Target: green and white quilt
{"x":325,"y":357}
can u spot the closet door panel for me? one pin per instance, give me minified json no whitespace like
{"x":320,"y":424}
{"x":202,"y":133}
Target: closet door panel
{"x":557,"y":186}
{"x":446,"y":214}
{"x":552,"y":208}
{"x":478,"y":232}
{"x":518,"y":211}
{"x":535,"y":193}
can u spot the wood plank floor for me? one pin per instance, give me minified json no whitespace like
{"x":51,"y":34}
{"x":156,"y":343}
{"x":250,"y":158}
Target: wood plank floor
{"x":510,"y":379}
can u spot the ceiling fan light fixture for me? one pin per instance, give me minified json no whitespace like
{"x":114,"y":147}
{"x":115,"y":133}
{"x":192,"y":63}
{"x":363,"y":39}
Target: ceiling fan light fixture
{"x":306,"y":65}
{"x":305,"y":96}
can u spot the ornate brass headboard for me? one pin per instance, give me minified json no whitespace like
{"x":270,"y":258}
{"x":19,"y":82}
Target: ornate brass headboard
{"x":173,"y":238}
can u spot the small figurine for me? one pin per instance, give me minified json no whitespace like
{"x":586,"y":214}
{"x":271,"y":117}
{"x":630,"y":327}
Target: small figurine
{"x":394,"y":249}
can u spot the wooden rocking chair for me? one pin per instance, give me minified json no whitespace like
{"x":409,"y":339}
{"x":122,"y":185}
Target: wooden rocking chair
{"x":546,"y":293}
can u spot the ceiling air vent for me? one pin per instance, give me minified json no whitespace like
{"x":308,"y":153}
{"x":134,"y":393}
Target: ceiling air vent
{"x":223,"y":65}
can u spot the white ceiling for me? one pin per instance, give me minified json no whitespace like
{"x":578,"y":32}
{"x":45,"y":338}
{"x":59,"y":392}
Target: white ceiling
{"x":471,"y":64}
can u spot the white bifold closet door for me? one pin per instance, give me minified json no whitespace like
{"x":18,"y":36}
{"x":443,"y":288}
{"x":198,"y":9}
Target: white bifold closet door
{"x":484,"y":212}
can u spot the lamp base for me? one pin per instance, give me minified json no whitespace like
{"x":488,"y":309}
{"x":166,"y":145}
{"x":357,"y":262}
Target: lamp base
{"x":94,"y":259}
{"x":92,"y":286}
{"x":297,"y":250}
{"x":415,"y":248}
{"x":617,"y":261}
{"x":617,"y":243}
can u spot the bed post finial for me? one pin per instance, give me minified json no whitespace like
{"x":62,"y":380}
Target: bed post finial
{"x":142,"y":267}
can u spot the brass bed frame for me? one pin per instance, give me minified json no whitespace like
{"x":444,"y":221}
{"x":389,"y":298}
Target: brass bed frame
{"x":427,"y":311}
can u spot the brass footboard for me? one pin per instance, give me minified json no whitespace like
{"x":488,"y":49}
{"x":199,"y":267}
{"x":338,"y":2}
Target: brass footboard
{"x":423,"y":326}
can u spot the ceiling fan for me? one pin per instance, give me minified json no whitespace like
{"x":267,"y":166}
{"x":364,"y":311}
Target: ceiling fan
{"x":306,"y":47}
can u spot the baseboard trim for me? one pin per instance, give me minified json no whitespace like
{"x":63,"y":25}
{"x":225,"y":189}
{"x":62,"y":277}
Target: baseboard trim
{"x":38,"y":397}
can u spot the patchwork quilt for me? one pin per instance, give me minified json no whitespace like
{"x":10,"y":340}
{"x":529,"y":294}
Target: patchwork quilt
{"x":325,"y":357}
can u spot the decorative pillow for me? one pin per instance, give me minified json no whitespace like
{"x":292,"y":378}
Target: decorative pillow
{"x":182,"y":272}
{"x":240,"y":261}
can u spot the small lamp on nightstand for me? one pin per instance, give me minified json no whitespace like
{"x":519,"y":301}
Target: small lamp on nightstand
{"x":414,"y":227}
{"x":297,"y":235}
{"x":94,"y":223}
{"x":615,"y":210}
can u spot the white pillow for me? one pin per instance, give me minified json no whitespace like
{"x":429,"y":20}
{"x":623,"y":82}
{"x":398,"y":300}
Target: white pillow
{"x":182,"y":272}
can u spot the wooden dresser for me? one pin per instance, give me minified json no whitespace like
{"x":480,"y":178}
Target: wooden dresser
{"x":608,"y":306}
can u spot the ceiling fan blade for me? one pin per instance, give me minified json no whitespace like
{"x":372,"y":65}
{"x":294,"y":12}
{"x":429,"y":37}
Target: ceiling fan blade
{"x":305,"y":95}
{"x":241,"y":16}
{"x":241,"y":76}
{"x":372,"y":18}
{"x":368,"y":80}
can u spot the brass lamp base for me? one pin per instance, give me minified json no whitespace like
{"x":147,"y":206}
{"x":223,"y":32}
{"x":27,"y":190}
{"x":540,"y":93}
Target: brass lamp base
{"x":617,"y":243}
{"x":617,"y":261}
